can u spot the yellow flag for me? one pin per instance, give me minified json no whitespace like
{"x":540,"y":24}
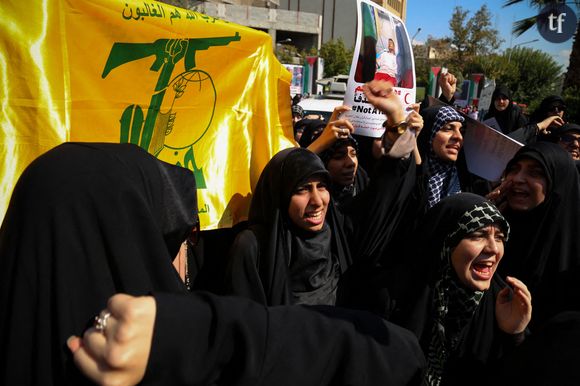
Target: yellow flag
{"x":192,"y":90}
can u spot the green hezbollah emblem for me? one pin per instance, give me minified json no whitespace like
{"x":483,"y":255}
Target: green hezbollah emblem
{"x":154,"y":132}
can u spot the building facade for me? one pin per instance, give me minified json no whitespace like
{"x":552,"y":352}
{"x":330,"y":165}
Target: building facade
{"x":302,"y":23}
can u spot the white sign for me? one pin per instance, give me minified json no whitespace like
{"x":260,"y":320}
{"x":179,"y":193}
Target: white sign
{"x":382,"y":51}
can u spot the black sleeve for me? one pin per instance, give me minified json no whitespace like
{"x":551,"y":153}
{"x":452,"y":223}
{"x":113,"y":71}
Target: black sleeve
{"x":203,"y":339}
{"x":450,"y":102}
{"x":377,"y":211}
{"x":242,"y":276}
{"x":526,"y":135}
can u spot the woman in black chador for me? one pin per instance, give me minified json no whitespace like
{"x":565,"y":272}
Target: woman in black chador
{"x":85,"y":221}
{"x":298,"y":245}
{"x":509,"y":116}
{"x":540,"y":197}
{"x":448,"y":293}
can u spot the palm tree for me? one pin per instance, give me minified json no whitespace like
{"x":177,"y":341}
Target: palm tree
{"x":523,"y":25}
{"x":572,"y":77}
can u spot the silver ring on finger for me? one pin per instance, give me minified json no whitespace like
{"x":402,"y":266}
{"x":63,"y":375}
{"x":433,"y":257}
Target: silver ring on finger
{"x":101,"y":321}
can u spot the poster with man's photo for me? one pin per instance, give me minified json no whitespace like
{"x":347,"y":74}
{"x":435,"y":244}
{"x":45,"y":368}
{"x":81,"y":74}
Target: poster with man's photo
{"x":382,"y":51}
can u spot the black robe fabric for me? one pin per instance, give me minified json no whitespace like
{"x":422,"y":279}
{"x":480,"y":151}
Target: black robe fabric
{"x":548,"y":357}
{"x":509,"y":119}
{"x":404,"y":294}
{"x":202,"y":339}
{"x":85,"y":221}
{"x":262,"y":257}
{"x":545,"y":242}
{"x":90,"y":220}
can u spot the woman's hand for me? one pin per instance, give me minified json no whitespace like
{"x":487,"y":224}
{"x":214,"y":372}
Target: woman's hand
{"x":118,"y":353}
{"x":381,"y":95}
{"x":334,"y":130}
{"x":498,"y":195}
{"x":448,"y":84}
{"x":513,"y":307}
{"x":552,"y":122}
{"x":415,"y":122}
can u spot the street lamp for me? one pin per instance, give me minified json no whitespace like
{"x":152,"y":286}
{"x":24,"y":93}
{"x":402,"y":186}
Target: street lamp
{"x":287,"y":40}
{"x":416,"y":33}
{"x":519,"y":44}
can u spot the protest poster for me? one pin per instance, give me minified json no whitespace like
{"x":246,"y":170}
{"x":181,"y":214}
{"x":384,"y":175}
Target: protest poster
{"x":382,"y":51}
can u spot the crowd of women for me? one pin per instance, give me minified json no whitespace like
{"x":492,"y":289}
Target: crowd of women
{"x":414,"y":272}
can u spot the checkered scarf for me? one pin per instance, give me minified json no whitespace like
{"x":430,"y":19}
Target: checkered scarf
{"x":454,"y":305}
{"x":441,"y":173}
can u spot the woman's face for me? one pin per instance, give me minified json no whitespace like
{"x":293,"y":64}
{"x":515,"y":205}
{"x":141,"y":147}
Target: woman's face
{"x":476,"y":257}
{"x":501,"y":102}
{"x":448,"y":141}
{"x":308,"y":205}
{"x":528,"y":184}
{"x":570,"y":141}
{"x":342,"y":166}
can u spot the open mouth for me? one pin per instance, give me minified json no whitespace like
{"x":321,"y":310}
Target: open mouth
{"x":483,"y":270}
{"x":314,"y":218}
{"x":519,"y":193}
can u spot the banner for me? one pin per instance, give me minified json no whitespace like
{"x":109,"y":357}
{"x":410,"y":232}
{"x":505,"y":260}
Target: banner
{"x":193,"y":90}
{"x":382,"y":51}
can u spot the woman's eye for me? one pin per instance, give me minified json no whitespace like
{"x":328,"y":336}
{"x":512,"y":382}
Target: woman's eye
{"x":537,"y":173}
{"x":510,"y":170}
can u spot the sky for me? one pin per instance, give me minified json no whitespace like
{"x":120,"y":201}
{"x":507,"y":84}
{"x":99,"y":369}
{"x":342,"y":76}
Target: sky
{"x":433,"y":16}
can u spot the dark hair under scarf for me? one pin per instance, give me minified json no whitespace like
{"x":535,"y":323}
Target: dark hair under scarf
{"x":286,"y":251}
{"x":509,"y":119}
{"x":546,"y":240}
{"x":446,"y":224}
{"x":442,"y":179}
{"x":85,"y":221}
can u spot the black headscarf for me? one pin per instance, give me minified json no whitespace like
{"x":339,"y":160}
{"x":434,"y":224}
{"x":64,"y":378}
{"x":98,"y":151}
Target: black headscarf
{"x":546,"y":240}
{"x":341,"y":194}
{"x":544,"y":110}
{"x":509,"y":119}
{"x":311,"y":129}
{"x":456,"y":325}
{"x":85,"y":221}
{"x":289,"y":256}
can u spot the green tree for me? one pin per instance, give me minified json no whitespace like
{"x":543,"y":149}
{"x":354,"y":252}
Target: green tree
{"x":471,"y":37}
{"x":337,"y":58}
{"x":460,"y":33}
{"x":572,"y":77}
{"x":495,"y":66}
{"x":572,"y":97}
{"x":536,"y":75}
